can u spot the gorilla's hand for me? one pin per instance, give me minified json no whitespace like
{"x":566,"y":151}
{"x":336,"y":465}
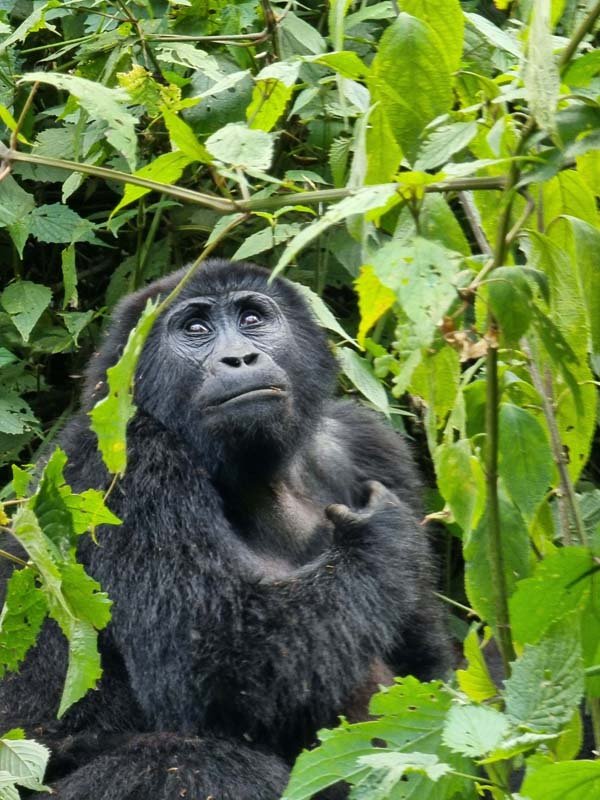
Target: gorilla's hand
{"x":382,"y":510}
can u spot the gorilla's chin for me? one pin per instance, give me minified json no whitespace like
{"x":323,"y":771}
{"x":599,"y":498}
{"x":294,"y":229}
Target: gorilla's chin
{"x":251,"y":435}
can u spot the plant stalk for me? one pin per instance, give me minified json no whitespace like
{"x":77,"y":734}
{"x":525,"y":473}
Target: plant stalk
{"x":495,"y":553}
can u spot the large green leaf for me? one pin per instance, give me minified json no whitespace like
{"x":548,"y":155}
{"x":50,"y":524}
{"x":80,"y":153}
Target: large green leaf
{"x":525,"y":459}
{"x":542,"y":80}
{"x":369,"y":198}
{"x":25,"y":302}
{"x":575,"y":404}
{"x":446,"y":19}
{"x":111,"y":414}
{"x":101,"y":103}
{"x":413,"y":715}
{"x":461,"y":482}
{"x":478,"y":572}
{"x":554,"y":590}
{"x":21,"y":618}
{"x":546,"y":683}
{"x":410,"y":78}
{"x":569,"y":780}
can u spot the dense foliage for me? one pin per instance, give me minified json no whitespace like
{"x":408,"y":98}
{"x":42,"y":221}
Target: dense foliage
{"x":443,"y":165}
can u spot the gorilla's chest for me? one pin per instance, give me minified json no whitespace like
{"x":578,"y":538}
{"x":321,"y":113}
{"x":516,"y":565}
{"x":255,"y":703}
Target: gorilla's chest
{"x":284,"y":527}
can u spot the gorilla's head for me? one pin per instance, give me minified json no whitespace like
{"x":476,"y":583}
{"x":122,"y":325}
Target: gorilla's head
{"x":235,"y":366}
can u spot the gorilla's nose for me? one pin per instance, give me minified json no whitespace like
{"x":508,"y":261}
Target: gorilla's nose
{"x":238,"y":361}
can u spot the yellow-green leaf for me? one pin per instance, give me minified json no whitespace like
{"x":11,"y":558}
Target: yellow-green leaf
{"x":374,"y":299}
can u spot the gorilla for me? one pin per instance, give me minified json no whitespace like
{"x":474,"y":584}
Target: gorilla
{"x":270,"y":571}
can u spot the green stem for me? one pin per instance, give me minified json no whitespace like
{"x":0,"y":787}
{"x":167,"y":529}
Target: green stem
{"x":582,"y":30}
{"x":222,"y":205}
{"x":595,"y":714}
{"x":10,"y":556}
{"x":496,"y":555}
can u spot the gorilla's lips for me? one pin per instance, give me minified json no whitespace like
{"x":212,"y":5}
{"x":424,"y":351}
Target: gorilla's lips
{"x":256,"y":393}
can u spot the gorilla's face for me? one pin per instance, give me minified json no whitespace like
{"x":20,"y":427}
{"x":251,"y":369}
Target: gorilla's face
{"x":226,"y":373}
{"x":236,"y":346}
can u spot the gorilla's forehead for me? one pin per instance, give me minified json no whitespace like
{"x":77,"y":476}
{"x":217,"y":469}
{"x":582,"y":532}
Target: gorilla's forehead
{"x":229,"y":297}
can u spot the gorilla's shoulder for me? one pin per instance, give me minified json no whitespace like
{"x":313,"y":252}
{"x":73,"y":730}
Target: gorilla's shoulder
{"x":375,"y":448}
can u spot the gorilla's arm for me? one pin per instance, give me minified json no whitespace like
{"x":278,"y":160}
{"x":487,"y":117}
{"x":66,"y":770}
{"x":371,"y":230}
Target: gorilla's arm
{"x":423,"y":647}
{"x":306,"y":643}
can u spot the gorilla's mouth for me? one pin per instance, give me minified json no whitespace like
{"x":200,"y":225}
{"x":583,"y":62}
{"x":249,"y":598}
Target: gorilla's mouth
{"x":263,"y":393}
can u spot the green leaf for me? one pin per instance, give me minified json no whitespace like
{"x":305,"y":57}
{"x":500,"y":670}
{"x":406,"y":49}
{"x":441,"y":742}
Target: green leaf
{"x":69,"y":273}
{"x":516,"y":551}
{"x":374,"y":299}
{"x":243,"y":148}
{"x":569,"y":780}
{"x":576,"y":408}
{"x":388,"y":772}
{"x":541,"y":77}
{"x":167,"y":169}
{"x":510,"y":299}
{"x":101,"y":103}
{"x":266,"y":239}
{"x":446,"y":19}
{"x":49,"y":505}
{"x":25,"y":761}
{"x":546,"y":683}
{"x":461,"y":482}
{"x":413,"y":715}
{"x":83,"y":594}
{"x":27,"y":530}
{"x":111,"y":414}
{"x":369,"y":198}
{"x":298,"y":37}
{"x":584,"y":250}
{"x":324,"y":316}
{"x":57,"y":223}
{"x":15,"y":202}
{"x":88,"y":510}
{"x":345,"y":62}
{"x":84,"y":669}
{"x":25,"y":302}
{"x":553,"y":591}
{"x":474,"y":730}
{"x":423,"y":276}
{"x":441,"y":144}
{"x":273,"y":88}
{"x":525,"y":461}
{"x":410,"y":78}
{"x":21,"y":618}
{"x":337,"y":12}
{"x":361,"y":374}
{"x":475,"y":681}
{"x":184,"y":138}
{"x":383,"y":151}
{"x":495,"y":35}
{"x":20,"y":480}
{"x":15,"y":414}
{"x":34,"y":22}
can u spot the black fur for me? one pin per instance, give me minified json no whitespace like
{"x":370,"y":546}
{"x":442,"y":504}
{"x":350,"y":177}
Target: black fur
{"x":245,"y":616}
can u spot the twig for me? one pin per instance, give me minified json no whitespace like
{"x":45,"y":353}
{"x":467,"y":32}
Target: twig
{"x":198,"y":262}
{"x":10,"y":556}
{"x":14,"y":138}
{"x":225,"y":206}
{"x":235,"y":38}
{"x":586,"y":25}
{"x":495,"y":552}
{"x":472,"y":215}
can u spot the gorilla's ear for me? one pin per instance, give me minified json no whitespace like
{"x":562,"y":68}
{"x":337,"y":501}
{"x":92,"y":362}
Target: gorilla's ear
{"x":123,"y":319}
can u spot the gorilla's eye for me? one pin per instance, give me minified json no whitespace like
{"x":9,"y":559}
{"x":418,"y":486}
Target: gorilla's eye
{"x":196,"y":325}
{"x":250,"y":317}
